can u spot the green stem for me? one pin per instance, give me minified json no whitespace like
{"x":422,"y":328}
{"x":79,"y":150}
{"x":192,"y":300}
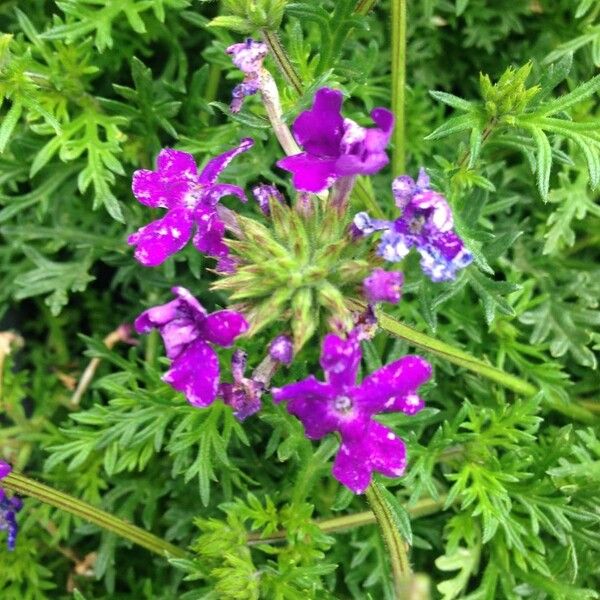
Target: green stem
{"x":425,"y":507}
{"x":282,"y":60}
{"x":363,"y":7}
{"x":28,"y":487}
{"x":448,"y":352}
{"x":398,"y":83}
{"x":401,"y":571}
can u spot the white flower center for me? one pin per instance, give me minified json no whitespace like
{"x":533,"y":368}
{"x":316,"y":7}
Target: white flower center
{"x":342,"y":404}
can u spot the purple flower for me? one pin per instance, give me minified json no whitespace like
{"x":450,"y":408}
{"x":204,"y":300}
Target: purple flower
{"x":187,"y":331}
{"x":383,"y":286}
{"x":264,"y":194}
{"x":243,"y":395}
{"x":248,"y":57}
{"x":9,"y":507}
{"x":281,"y":349}
{"x":335,"y":147}
{"x":426,"y":223}
{"x":5,"y":469}
{"x":339,"y":404}
{"x":190,"y":198}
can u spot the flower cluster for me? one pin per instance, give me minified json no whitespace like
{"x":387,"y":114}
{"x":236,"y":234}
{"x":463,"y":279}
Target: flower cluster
{"x":426,"y":223}
{"x":304,"y":264}
{"x":9,"y":507}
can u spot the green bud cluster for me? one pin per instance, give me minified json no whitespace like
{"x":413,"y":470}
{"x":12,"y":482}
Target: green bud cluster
{"x":298,"y":273}
{"x":246,"y":16}
{"x":509,"y":96}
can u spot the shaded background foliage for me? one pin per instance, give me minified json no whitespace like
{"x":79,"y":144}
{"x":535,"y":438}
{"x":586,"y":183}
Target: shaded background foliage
{"x":92,"y":90}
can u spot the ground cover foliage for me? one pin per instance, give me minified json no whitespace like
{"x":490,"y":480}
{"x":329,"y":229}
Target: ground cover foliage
{"x":501,"y":494}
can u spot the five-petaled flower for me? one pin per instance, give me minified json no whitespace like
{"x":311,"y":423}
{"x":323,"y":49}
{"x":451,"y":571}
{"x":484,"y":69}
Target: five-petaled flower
{"x":247,"y":56}
{"x":243,"y":395}
{"x":9,"y":507}
{"x":426,"y":223}
{"x":335,"y":147}
{"x":340,"y":404}
{"x":190,"y":197}
{"x":187,"y":331}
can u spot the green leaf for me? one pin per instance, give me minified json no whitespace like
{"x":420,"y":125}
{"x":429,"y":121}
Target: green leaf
{"x":9,"y":122}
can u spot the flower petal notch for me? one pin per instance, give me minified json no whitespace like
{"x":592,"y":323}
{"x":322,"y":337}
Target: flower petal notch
{"x":426,"y":224}
{"x":191,"y":200}
{"x":335,"y":147}
{"x":341,"y":404}
{"x":188,"y":332}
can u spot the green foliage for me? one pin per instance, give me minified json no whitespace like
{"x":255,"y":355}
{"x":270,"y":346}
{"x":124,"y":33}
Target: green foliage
{"x":501,"y":492}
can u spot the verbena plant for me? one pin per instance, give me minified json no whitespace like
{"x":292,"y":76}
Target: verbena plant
{"x":379,"y":376}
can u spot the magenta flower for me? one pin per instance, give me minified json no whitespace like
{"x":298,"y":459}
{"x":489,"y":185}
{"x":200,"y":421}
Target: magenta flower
{"x":383,"y":286}
{"x":281,"y":349}
{"x":243,"y":395}
{"x":335,"y":147}
{"x":187,"y":331}
{"x":248,"y":57}
{"x":426,"y":223}
{"x":9,"y":507}
{"x":191,"y":200}
{"x":340,"y":404}
{"x":264,"y":194}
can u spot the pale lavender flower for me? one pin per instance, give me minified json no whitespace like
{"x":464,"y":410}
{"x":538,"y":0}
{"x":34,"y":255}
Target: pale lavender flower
{"x":281,"y":349}
{"x":9,"y":507}
{"x":191,"y":199}
{"x":335,"y":147}
{"x":426,"y":223}
{"x":264,"y":194}
{"x":383,"y":286}
{"x":248,"y":57}
{"x":340,"y":404}
{"x":243,"y":395}
{"x":187,"y":331}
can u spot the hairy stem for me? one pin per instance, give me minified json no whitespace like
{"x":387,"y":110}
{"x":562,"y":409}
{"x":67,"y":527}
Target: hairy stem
{"x":398,"y":83}
{"x":396,"y":546}
{"x":425,"y":507}
{"x":282,"y":60}
{"x":448,"y":352}
{"x":28,"y":487}
{"x":363,"y":7}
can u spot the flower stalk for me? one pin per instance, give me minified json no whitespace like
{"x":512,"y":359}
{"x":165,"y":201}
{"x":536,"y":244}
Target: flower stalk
{"x":398,"y":83}
{"x":422,"y":508}
{"x":363,"y":7}
{"x":20,"y":484}
{"x":396,"y":546}
{"x":282,"y":60}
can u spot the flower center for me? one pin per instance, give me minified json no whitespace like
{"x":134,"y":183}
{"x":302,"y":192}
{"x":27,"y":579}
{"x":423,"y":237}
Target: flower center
{"x":342,"y":404}
{"x":415,"y":225}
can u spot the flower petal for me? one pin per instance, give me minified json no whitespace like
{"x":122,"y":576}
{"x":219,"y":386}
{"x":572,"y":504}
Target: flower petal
{"x":210,"y":231}
{"x":195,"y":372}
{"x":310,"y":173}
{"x":383,"y":286}
{"x":444,"y":256}
{"x":5,"y":469}
{"x":309,"y":400}
{"x":215,"y":192}
{"x":215,"y":166}
{"x":379,"y":390}
{"x":377,"y":449}
{"x":223,"y":326}
{"x":340,"y":360}
{"x":160,"y":239}
{"x":320,"y":129}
